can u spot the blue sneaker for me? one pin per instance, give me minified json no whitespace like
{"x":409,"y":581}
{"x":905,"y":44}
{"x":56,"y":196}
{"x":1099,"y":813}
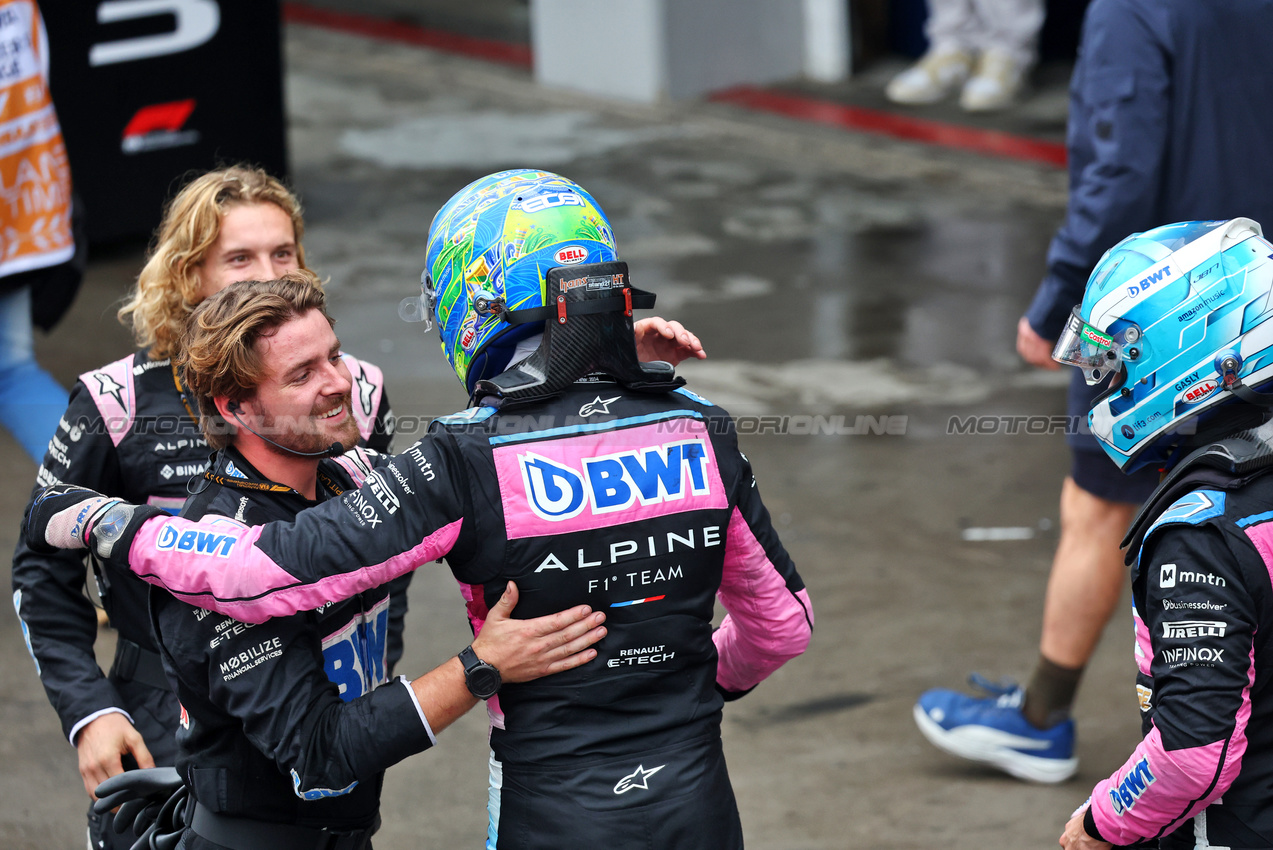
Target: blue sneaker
{"x":992,"y":730}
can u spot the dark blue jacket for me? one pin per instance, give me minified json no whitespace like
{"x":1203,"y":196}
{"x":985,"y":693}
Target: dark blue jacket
{"x":1171,"y":118}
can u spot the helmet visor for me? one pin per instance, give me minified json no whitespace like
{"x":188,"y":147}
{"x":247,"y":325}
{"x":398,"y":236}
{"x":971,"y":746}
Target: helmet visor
{"x":1093,"y":351}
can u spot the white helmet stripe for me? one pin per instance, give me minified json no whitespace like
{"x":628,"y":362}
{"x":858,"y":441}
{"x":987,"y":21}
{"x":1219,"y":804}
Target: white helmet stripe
{"x":1121,"y":301}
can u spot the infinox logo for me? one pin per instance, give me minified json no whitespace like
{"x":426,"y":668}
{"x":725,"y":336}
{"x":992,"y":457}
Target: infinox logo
{"x":195,"y":541}
{"x":571,"y":255}
{"x":1148,"y":281}
{"x":664,"y":473}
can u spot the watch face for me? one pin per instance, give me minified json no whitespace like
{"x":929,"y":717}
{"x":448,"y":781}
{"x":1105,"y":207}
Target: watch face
{"x":110,"y":528}
{"x":483,"y":680}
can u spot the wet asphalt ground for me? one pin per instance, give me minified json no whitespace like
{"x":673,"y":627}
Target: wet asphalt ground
{"x":858,"y":300}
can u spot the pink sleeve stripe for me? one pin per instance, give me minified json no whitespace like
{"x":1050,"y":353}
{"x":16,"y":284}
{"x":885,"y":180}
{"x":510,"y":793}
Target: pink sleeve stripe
{"x":1261,"y":537}
{"x":1144,"y":647}
{"x":223,"y":570}
{"x":1157,"y":789}
{"x":767,"y":625}
{"x":475,"y":604}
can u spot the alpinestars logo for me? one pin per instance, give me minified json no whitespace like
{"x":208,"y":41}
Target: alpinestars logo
{"x":106,"y":385}
{"x":365,"y":390}
{"x":638,"y":778}
{"x":598,"y":405}
{"x":158,"y":126}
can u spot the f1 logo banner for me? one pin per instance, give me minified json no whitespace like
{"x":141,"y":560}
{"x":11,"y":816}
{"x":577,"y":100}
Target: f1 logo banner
{"x":149,"y":90}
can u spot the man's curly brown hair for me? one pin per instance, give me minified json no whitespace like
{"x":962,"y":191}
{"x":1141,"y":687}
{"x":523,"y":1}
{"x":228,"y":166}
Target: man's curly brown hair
{"x":218,"y":349}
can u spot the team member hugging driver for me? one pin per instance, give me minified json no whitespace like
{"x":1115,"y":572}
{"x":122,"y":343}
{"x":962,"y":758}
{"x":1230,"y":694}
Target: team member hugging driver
{"x":288,"y":727}
{"x":584,"y":475}
{"x":1180,"y":317}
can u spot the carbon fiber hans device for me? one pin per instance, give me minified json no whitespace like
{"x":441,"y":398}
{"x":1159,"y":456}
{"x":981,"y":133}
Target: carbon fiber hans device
{"x":587,"y":329}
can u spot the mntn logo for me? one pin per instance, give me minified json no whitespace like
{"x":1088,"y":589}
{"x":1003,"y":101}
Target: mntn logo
{"x":198,"y":542}
{"x":653,"y":475}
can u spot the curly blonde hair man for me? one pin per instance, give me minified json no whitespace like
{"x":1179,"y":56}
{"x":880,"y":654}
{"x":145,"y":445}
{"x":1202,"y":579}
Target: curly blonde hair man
{"x":169,"y":286}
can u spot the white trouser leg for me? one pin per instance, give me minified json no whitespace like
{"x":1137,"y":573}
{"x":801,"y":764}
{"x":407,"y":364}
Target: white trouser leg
{"x":1009,"y":26}
{"x":952,"y":25}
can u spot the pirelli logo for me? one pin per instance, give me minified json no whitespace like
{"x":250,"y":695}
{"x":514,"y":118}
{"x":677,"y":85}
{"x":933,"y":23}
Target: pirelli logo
{"x":1181,"y":629}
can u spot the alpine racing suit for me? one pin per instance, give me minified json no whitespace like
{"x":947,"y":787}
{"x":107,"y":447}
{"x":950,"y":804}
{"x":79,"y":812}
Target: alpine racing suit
{"x":639,"y":504}
{"x":1203,"y":609}
{"x":289,"y":722}
{"x":129,"y":431}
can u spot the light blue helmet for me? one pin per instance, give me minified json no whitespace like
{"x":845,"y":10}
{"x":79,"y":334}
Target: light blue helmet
{"x":1178,"y":315}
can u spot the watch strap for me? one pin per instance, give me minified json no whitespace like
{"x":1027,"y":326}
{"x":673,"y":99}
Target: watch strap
{"x":469,"y":658}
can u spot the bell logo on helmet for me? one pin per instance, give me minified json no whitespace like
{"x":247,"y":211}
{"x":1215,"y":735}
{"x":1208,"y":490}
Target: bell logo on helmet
{"x":1198,"y":392}
{"x":467,"y":339}
{"x":571,"y":255}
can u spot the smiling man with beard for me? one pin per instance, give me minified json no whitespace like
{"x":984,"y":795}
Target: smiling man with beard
{"x":287,"y":727}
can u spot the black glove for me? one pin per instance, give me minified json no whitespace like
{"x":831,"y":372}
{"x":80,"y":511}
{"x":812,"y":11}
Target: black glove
{"x":152,"y":802}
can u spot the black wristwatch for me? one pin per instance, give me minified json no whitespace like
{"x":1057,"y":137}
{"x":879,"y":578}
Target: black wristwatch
{"x":482,"y":679}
